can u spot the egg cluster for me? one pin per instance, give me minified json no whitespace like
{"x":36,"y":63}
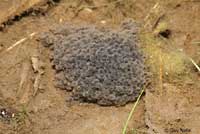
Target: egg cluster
{"x":101,"y":66}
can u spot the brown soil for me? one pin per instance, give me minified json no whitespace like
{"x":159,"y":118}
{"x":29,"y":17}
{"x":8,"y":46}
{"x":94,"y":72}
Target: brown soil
{"x":170,"y":106}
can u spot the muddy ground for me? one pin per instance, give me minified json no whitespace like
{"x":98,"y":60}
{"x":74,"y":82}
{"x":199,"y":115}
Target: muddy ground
{"x":170,"y":35}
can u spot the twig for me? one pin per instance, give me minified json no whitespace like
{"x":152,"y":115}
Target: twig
{"x":24,"y":75}
{"x":131,"y":113}
{"x":36,"y":84}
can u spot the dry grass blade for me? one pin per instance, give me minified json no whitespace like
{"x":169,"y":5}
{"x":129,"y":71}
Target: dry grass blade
{"x":153,"y":10}
{"x":19,"y":42}
{"x":161,"y":72}
{"x":196,"y":42}
{"x":131,"y":113}
{"x":195,"y":64}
